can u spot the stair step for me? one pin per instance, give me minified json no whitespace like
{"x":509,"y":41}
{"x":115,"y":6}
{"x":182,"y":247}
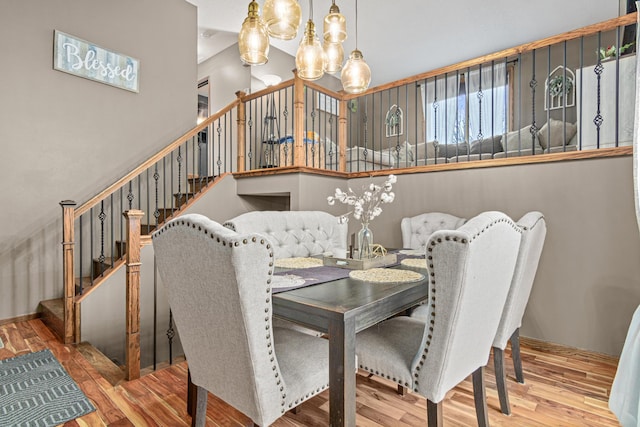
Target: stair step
{"x":146,"y":229}
{"x":181,"y":198}
{"x":105,"y":366}
{"x":196,"y":183}
{"x":86,"y":283}
{"x":53,"y":316}
{"x":99,"y":268}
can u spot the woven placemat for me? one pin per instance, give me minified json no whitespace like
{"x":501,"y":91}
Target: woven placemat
{"x":415,"y":262}
{"x":412,"y":252}
{"x":298,"y":262}
{"x":286,"y":281}
{"x":386,"y":275}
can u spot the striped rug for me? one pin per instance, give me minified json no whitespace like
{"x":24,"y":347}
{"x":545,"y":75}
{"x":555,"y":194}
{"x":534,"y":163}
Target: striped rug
{"x":36,"y":391}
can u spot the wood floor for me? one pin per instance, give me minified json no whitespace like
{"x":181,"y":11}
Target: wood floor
{"x":563,"y":388}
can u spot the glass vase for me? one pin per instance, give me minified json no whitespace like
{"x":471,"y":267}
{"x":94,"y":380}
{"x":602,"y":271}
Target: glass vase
{"x":365,"y":242}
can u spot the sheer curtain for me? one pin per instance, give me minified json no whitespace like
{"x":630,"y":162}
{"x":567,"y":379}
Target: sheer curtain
{"x":491,"y":82}
{"x":441,"y":112}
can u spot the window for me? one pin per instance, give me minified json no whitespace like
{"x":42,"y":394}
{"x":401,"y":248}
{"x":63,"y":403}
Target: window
{"x":466,"y":106}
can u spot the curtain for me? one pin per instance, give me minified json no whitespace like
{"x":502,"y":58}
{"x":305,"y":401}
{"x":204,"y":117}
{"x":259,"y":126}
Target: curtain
{"x":492,"y":104}
{"x":624,"y":400}
{"x":441,"y":111}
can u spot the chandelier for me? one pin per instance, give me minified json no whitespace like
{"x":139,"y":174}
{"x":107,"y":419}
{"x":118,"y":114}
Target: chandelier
{"x":281,"y":19}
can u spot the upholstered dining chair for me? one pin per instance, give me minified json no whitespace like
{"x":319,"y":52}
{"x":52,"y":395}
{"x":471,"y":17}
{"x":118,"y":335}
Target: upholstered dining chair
{"x":534,"y":230}
{"x":470,"y":270}
{"x":219,"y":290}
{"x":416,"y":230}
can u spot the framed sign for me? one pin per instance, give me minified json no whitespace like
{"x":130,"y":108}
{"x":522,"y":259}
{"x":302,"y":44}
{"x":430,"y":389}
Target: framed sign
{"x":85,"y":59}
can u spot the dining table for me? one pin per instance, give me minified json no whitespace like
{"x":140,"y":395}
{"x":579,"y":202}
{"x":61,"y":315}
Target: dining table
{"x":332,"y":303}
{"x":340,"y":309}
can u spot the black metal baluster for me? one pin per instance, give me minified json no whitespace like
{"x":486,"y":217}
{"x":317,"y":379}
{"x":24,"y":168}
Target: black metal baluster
{"x":171,"y":196}
{"x":617,"y":94}
{"x":186,"y":172}
{"x":249,"y":132}
{"x":171,"y":333}
{"x":533,"y":129}
{"x":547,"y":95}
{"x":564,"y":104}
{"x":219,"y":162}
{"x":435,"y":114}
{"x":446,"y":113}
{"x":113,"y":241}
{"x":480,"y":95}
{"x":156,"y":177}
{"x":80,"y":256}
{"x":148,"y":211}
{"x":599,"y":68}
{"x":130,"y":195}
{"x":581,"y":109}
{"x":91,"y":243}
{"x":493,"y":94}
{"x":314,"y":112}
{"x":120,"y":251}
{"x":179,"y":160}
{"x":285,"y":113}
{"x":101,"y":216}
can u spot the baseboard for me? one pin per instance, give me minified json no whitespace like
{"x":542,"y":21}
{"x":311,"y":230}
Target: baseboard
{"x":561,"y":349}
{"x":23,"y":318}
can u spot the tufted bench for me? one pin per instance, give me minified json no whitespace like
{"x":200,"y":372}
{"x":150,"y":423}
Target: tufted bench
{"x":417,"y":230}
{"x":295,"y":233}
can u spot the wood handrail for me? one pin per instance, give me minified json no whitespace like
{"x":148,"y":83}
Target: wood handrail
{"x":526,"y":47}
{"x":149,"y":162}
{"x":267,"y":90}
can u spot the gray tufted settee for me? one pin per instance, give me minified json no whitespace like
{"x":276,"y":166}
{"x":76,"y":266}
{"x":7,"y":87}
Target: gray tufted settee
{"x":295,"y":233}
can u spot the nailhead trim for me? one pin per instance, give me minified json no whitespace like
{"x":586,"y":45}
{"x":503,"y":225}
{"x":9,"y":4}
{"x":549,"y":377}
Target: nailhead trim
{"x":433,"y":289}
{"x":269,"y":344}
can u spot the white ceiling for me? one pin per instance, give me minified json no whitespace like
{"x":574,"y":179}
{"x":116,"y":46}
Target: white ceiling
{"x":406,"y":37}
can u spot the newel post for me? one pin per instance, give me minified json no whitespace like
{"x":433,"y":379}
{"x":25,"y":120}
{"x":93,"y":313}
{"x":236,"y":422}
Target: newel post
{"x":342,"y":136}
{"x":298,"y":121}
{"x":68,"y":274}
{"x":133,"y":294}
{"x":242,"y":119}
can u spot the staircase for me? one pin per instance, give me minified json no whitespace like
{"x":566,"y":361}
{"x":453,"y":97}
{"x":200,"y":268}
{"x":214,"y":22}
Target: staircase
{"x":52,"y":311}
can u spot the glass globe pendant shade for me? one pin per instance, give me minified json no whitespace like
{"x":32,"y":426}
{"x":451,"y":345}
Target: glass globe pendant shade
{"x":253,"y":39}
{"x":335,"y":26}
{"x":356,"y":74}
{"x":310,"y":58}
{"x":334,"y":54}
{"x":282,"y":18}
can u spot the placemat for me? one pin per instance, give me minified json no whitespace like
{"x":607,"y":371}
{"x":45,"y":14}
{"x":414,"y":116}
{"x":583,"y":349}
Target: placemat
{"x":386,"y":275}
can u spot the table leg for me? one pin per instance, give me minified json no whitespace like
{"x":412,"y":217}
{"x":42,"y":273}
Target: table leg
{"x":342,"y":378}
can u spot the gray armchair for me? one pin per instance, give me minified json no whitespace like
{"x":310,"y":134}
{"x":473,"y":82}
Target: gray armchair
{"x":470,"y":270}
{"x":219,"y":289}
{"x":417,"y":230}
{"x":534,"y":230}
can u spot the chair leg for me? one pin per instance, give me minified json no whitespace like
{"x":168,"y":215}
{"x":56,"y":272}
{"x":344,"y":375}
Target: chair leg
{"x":501,"y":380}
{"x":480,"y":398}
{"x":402,"y":390}
{"x":434,"y":414}
{"x":199,"y":418}
{"x":515,"y":355}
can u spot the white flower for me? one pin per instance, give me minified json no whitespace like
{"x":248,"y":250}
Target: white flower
{"x":367,"y":206}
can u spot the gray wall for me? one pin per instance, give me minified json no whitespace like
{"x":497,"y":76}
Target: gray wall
{"x":65,"y":137}
{"x":588,"y":281}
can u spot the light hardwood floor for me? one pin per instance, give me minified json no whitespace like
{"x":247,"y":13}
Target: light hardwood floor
{"x":564,"y":387}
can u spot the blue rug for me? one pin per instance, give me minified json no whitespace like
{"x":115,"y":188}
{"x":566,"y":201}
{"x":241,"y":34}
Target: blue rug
{"x":36,"y":391}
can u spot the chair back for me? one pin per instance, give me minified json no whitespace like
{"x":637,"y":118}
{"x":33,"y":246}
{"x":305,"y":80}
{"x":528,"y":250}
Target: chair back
{"x":295,"y":233}
{"x":534,"y":230}
{"x":417,"y":230}
{"x":470,"y":272}
{"x":218,"y":285}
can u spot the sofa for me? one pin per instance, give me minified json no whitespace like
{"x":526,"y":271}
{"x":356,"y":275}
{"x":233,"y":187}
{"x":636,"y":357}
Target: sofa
{"x":556,"y":136}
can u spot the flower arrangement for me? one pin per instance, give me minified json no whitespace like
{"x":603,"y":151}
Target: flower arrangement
{"x":612,"y":51}
{"x":366,"y":207}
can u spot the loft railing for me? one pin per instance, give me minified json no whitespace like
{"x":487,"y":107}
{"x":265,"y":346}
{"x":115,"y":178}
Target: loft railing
{"x":548,"y":99}
{"x":563,"y":94}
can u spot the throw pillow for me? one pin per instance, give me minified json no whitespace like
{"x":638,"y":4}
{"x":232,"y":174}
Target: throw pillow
{"x":425,"y":150}
{"x":404,"y":157}
{"x":453,"y":150}
{"x":552,"y":134}
{"x":520,"y":140}
{"x":487,"y":145}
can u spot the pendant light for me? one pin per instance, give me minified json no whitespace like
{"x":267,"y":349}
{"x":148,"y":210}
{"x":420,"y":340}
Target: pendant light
{"x":310,"y":58}
{"x":253,"y":40}
{"x":282,"y":18}
{"x":356,"y":74}
{"x":335,"y":25}
{"x":334,"y":54}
